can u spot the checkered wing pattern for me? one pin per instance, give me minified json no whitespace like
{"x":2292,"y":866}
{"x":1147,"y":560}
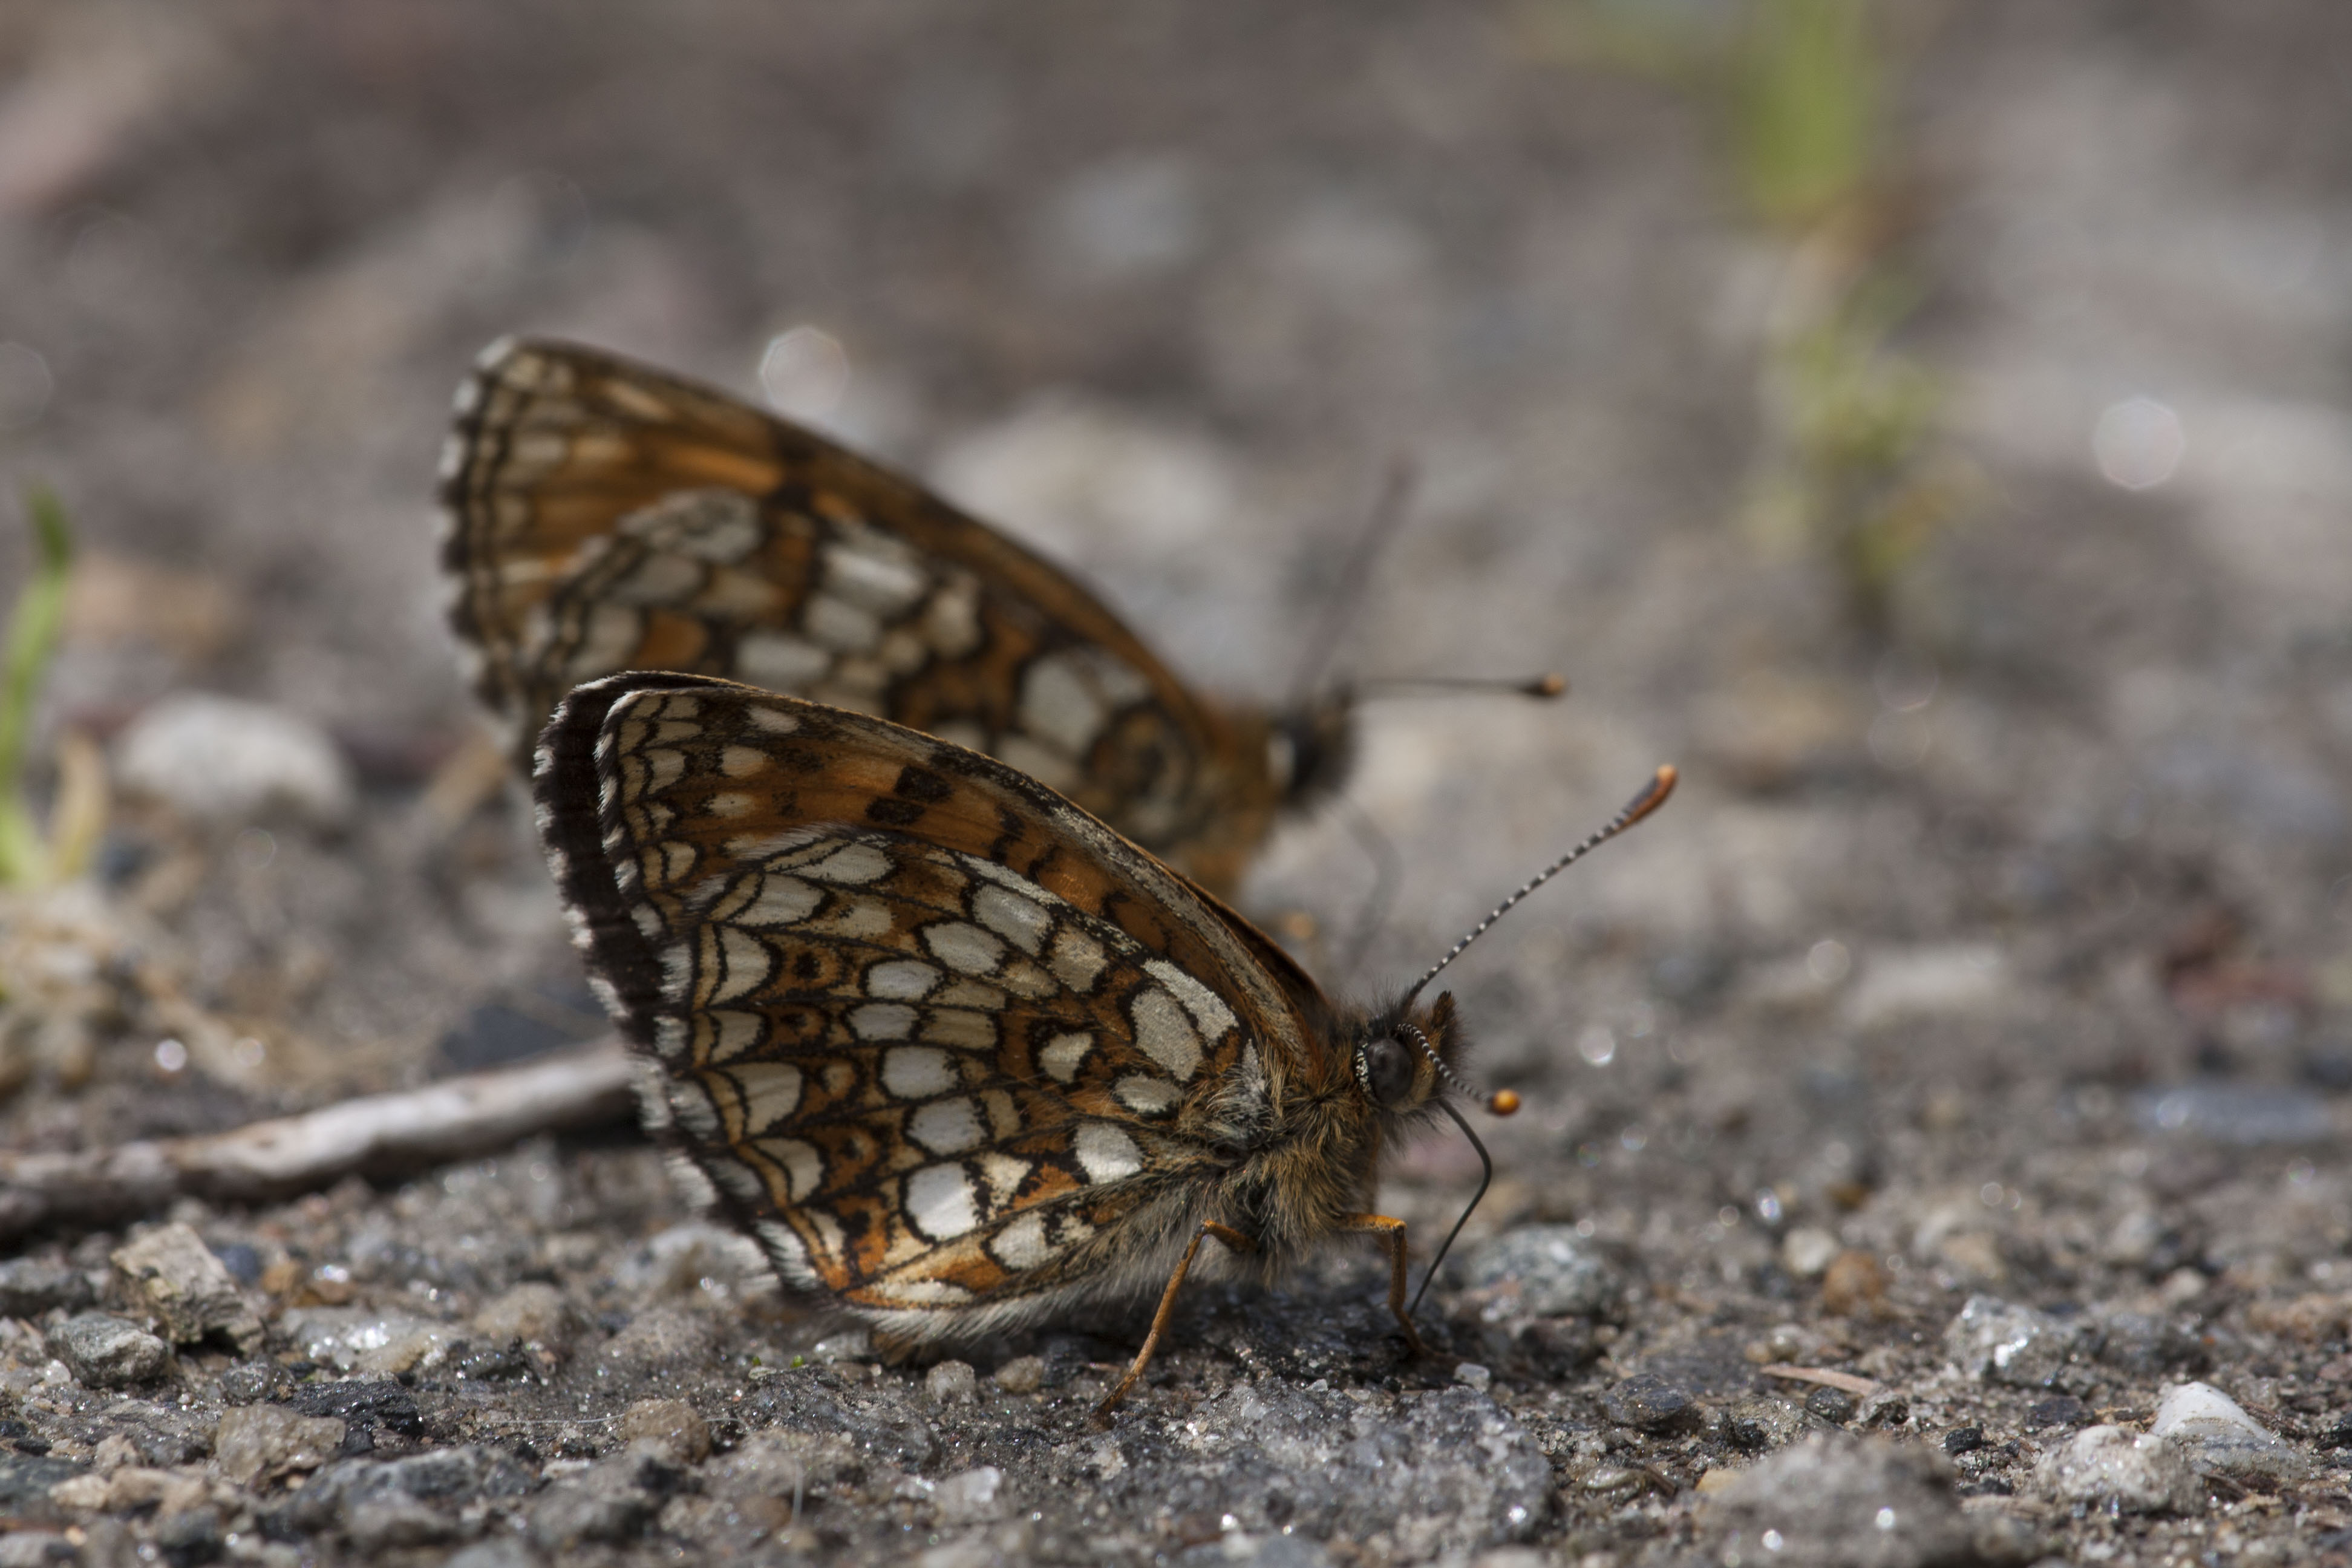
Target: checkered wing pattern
{"x":603,"y":517}
{"x":952,"y":1050}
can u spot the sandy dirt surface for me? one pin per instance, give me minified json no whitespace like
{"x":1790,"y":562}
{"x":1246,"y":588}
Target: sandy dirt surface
{"x":1935,"y":1140}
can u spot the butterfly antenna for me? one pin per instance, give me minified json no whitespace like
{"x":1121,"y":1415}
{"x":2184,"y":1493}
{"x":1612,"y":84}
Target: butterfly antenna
{"x":1347,"y":595}
{"x":1545,"y":687}
{"x":1485,"y":1180}
{"x":1386,"y":868}
{"x":1640,"y":806}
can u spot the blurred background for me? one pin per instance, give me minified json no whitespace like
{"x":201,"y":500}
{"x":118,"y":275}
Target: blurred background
{"x":1928,"y":424}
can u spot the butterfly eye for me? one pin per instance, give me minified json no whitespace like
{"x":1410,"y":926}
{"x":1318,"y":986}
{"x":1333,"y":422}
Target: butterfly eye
{"x":1386,"y":1068}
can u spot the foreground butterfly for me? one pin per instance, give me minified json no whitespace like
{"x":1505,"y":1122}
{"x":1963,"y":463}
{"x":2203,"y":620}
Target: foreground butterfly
{"x":603,"y":516}
{"x":955,"y":1053}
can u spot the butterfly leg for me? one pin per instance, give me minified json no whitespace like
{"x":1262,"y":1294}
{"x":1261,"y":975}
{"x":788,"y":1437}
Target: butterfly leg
{"x":1224,"y":1232}
{"x":1391,"y":1234}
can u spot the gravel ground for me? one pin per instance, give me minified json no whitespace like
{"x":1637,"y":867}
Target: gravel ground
{"x":1935,"y":1150}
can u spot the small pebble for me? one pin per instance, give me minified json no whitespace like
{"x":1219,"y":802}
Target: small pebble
{"x":1471,"y":1376}
{"x":1834,"y":1406}
{"x":1023,"y":1374}
{"x":108,"y":1353}
{"x":2216,"y":1434}
{"x":952,"y":1383}
{"x":1653,"y":1404}
{"x":29,"y":1287}
{"x":255,"y":1441}
{"x":1964,"y":1440}
{"x":1559,"y":1273}
{"x":2109,"y":1468}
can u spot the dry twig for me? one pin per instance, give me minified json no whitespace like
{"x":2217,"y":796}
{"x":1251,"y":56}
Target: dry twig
{"x":456,"y":1118}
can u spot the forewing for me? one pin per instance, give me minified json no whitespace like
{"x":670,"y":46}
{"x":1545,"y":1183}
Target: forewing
{"x":603,"y":517}
{"x":940,"y":1039}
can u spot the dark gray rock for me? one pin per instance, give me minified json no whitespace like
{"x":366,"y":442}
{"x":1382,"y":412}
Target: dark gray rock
{"x":25,"y":1483}
{"x":1655,"y":1404}
{"x":1554,"y":1271}
{"x":1762,"y":1422}
{"x":426,"y":1500}
{"x":2149,"y":1346}
{"x":613,"y":1502}
{"x":364,"y":1406}
{"x":1834,"y":1406}
{"x":29,"y":1287}
{"x":106,"y":1351}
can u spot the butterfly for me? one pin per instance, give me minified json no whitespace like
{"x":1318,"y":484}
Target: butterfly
{"x":957,"y":1055}
{"x":602,"y":516}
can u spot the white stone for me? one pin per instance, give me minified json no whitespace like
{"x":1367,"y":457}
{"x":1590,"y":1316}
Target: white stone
{"x":2106,"y":1466}
{"x":219,"y":759}
{"x":1808,"y":1250}
{"x":2216,"y":1434}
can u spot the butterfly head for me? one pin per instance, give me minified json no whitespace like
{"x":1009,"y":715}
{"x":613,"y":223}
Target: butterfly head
{"x":1406,"y":1059}
{"x":1310,"y":748}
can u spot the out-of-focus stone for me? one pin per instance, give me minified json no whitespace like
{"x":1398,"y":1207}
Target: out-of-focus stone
{"x":2017,"y":1346}
{"x":534,"y":1313}
{"x":1808,"y":1250}
{"x":972,"y":1496}
{"x":29,"y":1287}
{"x":952,"y":1383}
{"x":671,"y":1425}
{"x":425,"y":1500}
{"x":498,"y":1552}
{"x":1022,"y":1374}
{"x":1833,"y":1502}
{"x":2216,"y":1434}
{"x":2311,"y":1318}
{"x":2146,"y":1345}
{"x":1854,"y":1285}
{"x":219,"y":759}
{"x":1953,"y":979}
{"x":258,"y":1441}
{"x":106,"y":1352}
{"x":2109,"y":1468}
{"x":662,"y":1339}
{"x":36,"y":1549}
{"x":2247,"y":1115}
{"x":611,"y":1502}
{"x":173,"y":1276}
{"x":850,"y":1344}
{"x":1558,"y":1272}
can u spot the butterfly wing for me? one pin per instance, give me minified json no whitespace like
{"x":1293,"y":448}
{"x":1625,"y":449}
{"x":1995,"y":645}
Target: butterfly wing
{"x":603,"y":517}
{"x":953,"y":1051}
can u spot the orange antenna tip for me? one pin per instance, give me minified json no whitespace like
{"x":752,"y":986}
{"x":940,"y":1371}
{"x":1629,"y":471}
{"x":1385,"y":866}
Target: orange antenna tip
{"x":1552,"y":683}
{"x":1505,"y":1102}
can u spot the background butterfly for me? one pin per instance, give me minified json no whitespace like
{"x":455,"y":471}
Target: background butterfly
{"x":604,"y":516}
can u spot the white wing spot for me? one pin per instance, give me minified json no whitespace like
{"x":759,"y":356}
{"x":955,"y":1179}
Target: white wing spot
{"x":803,"y":1166}
{"x":782,"y":663}
{"x":946,"y":1126}
{"x":1145,"y":1095}
{"x":1164,"y":1034}
{"x":964,"y":947}
{"x":1022,"y":1244}
{"x":1077,"y":959}
{"x":1105,"y":1153}
{"x":853,"y":863}
{"x":1014,"y":917}
{"x":1004,"y":1175}
{"x":902,"y":980}
{"x":771,"y":1091}
{"x":941,"y":1203}
{"x":1060,"y":705}
{"x":747,"y":962}
{"x":775,"y":721}
{"x":741,"y":762}
{"x":1208,"y":1008}
{"x":783,"y":901}
{"x":727,"y":1035}
{"x":1065,"y":1054}
{"x":918,"y":1072}
{"x":838,"y":624}
{"x":883,"y":1020}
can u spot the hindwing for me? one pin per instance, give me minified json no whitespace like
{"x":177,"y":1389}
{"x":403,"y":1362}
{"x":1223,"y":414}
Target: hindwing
{"x":603,"y":517}
{"x":943,"y":1042}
